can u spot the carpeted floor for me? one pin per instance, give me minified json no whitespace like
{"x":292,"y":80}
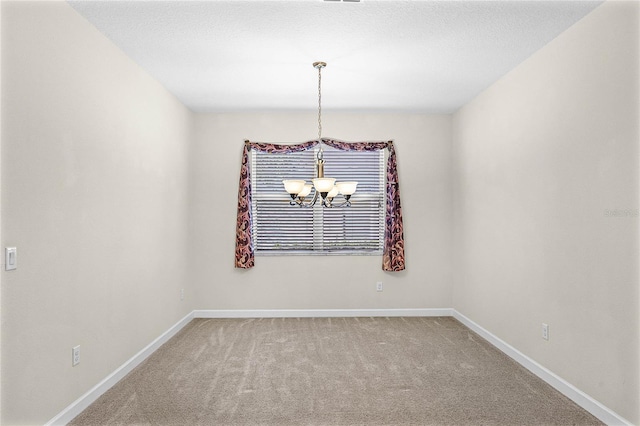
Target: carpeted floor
{"x":331,"y":371}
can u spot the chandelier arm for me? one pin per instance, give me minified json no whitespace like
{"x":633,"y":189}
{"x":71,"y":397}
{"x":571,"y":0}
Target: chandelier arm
{"x":300,"y":202}
{"x":329,"y":204}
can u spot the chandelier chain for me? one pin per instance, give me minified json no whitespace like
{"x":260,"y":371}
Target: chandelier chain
{"x":319,"y":103}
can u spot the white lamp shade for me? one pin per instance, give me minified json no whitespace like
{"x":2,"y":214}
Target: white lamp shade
{"x":334,"y":191}
{"x":323,"y":184}
{"x":306,"y":190}
{"x":293,"y":186}
{"x":347,"y":188}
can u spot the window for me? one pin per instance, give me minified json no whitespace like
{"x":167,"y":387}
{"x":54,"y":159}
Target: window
{"x":279,"y":228}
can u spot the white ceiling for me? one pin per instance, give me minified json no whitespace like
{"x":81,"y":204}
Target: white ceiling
{"x":423,"y":56}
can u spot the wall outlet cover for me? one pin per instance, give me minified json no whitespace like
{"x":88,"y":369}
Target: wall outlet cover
{"x":75,"y":355}
{"x":10,"y":258}
{"x":545,"y":331}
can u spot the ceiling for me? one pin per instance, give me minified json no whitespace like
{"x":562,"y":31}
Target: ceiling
{"x":419,"y":56}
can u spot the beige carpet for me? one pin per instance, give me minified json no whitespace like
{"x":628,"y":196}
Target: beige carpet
{"x":331,"y":371}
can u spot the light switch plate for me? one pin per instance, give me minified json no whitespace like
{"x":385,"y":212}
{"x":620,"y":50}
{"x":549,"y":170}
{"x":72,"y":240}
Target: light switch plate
{"x":10,"y":258}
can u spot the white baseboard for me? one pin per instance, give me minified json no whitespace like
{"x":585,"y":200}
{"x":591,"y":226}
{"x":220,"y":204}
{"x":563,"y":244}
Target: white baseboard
{"x":582,"y":399}
{"x":567,"y":389}
{"x":322,"y":313}
{"x":75,"y":408}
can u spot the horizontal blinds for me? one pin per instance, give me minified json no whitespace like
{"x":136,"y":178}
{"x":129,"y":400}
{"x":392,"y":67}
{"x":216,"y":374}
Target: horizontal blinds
{"x":279,"y":227}
{"x":269,"y":170}
{"x":353,"y":228}
{"x":363,"y":167}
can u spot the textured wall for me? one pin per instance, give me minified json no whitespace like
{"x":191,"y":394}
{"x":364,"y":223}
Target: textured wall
{"x":322,"y":282}
{"x":94,"y":178}
{"x":543,"y":159}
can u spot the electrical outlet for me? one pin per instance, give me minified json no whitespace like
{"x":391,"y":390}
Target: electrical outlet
{"x":182,"y":294}
{"x":379,"y":286}
{"x":75,"y":356}
{"x":545,"y":331}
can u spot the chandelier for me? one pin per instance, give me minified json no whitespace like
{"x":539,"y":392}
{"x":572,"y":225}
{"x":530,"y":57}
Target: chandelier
{"x":327,"y":188}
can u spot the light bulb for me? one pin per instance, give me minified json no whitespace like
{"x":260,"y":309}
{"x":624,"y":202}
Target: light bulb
{"x":334,"y":191}
{"x":347,"y":188}
{"x":293,"y":186}
{"x":306,"y":190}
{"x":323,"y":184}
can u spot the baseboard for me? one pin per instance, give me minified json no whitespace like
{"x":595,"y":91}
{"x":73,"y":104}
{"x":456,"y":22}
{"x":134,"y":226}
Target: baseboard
{"x":322,"y":313}
{"x":567,"y":389}
{"x":75,"y":408}
{"x":582,"y":399}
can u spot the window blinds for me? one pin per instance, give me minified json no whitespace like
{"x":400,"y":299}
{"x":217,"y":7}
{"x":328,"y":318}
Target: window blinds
{"x":280,"y":228}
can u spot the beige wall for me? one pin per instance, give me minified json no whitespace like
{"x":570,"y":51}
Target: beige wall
{"x":117,"y":196}
{"x":539,"y":158}
{"x":94,"y":178}
{"x":321,"y":282}
{"x":1,"y":248}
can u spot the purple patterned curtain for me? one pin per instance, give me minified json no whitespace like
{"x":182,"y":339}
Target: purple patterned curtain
{"x":393,"y":254}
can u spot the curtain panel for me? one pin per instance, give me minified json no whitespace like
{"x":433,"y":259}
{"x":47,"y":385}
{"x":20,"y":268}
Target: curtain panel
{"x":393,"y":252}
